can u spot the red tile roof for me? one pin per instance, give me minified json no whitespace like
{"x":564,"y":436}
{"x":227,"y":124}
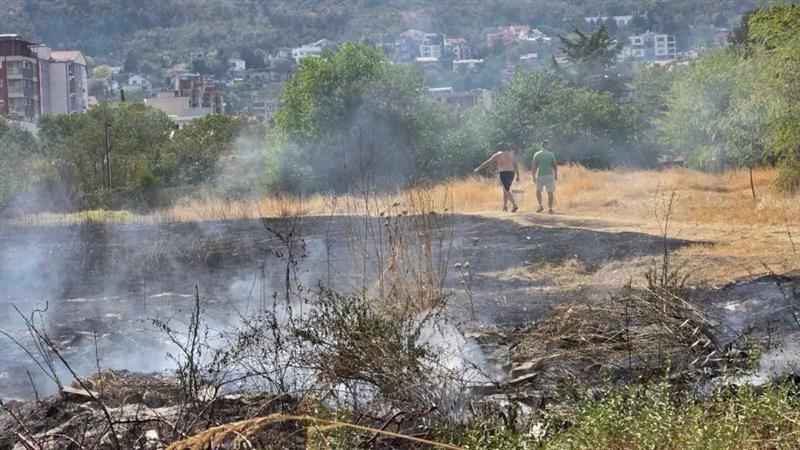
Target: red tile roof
{"x":65,"y":56}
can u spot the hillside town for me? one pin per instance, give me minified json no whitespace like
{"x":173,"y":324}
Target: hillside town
{"x":36,"y":80}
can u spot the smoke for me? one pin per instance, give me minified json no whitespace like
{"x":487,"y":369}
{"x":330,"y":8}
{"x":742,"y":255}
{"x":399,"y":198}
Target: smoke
{"x":243,"y":172}
{"x":774,"y":364}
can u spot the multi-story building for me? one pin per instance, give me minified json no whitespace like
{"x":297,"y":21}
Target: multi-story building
{"x":431,"y":46}
{"x":462,"y":100}
{"x":651,"y":47}
{"x":35,"y":81}
{"x":69,"y":93}
{"x":264,"y":107}
{"x":457,"y":48}
{"x":20,"y":96}
{"x":192,"y":97}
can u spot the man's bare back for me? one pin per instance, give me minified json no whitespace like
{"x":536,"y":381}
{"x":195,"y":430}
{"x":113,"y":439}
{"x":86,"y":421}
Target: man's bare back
{"x":504,"y":161}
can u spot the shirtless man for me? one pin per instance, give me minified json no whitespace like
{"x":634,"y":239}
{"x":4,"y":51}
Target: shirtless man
{"x":508,"y":170}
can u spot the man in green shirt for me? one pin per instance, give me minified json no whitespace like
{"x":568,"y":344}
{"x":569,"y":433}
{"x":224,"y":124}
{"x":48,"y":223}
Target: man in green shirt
{"x":545,"y":175}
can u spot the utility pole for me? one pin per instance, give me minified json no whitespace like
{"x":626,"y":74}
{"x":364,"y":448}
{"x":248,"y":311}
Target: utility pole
{"x":107,"y":165}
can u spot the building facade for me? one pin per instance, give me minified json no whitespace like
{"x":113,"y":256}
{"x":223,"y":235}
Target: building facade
{"x":69,"y":93}
{"x":431,"y":46}
{"x":651,"y":47}
{"x":20,"y":96}
{"x":462,"y":100}
{"x":313,"y":49}
{"x":36,"y":81}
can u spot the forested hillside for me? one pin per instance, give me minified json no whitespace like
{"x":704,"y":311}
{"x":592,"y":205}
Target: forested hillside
{"x":163,"y":31}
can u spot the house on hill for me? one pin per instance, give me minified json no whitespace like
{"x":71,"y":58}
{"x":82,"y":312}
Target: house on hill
{"x":237,"y":65}
{"x":651,"y":47}
{"x":140,"y":82}
{"x":312,"y":49}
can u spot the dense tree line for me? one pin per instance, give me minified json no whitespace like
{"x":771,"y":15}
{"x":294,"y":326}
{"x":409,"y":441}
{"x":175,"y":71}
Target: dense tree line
{"x":144,"y":33}
{"x":739,"y":106}
{"x":67,"y":167}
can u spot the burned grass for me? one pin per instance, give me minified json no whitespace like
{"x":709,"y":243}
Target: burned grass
{"x":635,"y":337}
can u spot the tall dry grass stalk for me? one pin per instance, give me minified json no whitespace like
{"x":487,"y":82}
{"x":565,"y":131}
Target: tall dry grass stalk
{"x":238,"y":434}
{"x":401,"y":246}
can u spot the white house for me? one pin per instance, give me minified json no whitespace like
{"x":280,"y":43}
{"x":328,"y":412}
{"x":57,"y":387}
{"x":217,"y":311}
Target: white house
{"x":651,"y":46}
{"x":431,"y":46}
{"x":465,"y":64}
{"x":313,"y":49}
{"x":237,"y":65}
{"x":138,"y":81}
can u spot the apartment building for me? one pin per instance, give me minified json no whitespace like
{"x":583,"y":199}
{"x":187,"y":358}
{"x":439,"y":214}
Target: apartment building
{"x":431,"y":46}
{"x":69,"y":92}
{"x":19,"y":79}
{"x":651,"y":47}
{"x":35,"y":81}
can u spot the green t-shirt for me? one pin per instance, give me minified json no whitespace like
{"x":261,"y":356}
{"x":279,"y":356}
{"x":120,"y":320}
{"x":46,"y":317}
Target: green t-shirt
{"x":545,"y":161}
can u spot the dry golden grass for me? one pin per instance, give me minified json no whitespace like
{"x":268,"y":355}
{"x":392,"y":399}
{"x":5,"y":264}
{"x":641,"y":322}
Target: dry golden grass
{"x":630,"y":195}
{"x":236,"y":434}
{"x":619,"y":195}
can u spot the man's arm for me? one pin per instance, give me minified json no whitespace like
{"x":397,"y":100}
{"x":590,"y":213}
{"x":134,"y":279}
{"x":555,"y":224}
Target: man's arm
{"x":516,"y":168}
{"x":485,"y":163}
{"x":533,"y":169}
{"x":555,"y":168}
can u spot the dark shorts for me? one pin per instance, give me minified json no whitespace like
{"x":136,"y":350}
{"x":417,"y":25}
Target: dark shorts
{"x":507,"y":177}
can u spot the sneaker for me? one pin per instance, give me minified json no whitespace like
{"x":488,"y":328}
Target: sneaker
{"x":515,"y":208}
{"x":505,"y":209}
{"x":550,"y":211}
{"x":540,"y":209}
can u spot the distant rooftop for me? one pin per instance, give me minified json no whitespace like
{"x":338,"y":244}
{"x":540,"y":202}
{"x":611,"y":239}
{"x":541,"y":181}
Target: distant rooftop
{"x":72,"y":55}
{"x":439,"y":90}
{"x":13,"y":37}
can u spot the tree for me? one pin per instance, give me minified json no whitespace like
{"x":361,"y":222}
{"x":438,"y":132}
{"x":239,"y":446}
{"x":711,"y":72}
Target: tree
{"x":77,"y":144}
{"x":190,"y":157}
{"x":598,"y":51}
{"x":18,"y":148}
{"x":739,"y":36}
{"x":585,"y":126}
{"x":252,"y":58}
{"x":350,"y":118}
{"x":775,"y":34}
{"x":131,"y":63}
{"x":102,"y":71}
{"x":611,"y":26}
{"x":699,"y":104}
{"x":595,"y":62}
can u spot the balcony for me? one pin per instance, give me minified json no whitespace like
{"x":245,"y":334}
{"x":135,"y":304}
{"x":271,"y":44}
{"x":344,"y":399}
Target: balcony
{"x":21,"y":93}
{"x":26,"y":74}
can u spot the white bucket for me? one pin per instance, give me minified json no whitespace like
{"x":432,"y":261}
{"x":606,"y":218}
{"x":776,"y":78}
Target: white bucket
{"x":517,"y":194}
